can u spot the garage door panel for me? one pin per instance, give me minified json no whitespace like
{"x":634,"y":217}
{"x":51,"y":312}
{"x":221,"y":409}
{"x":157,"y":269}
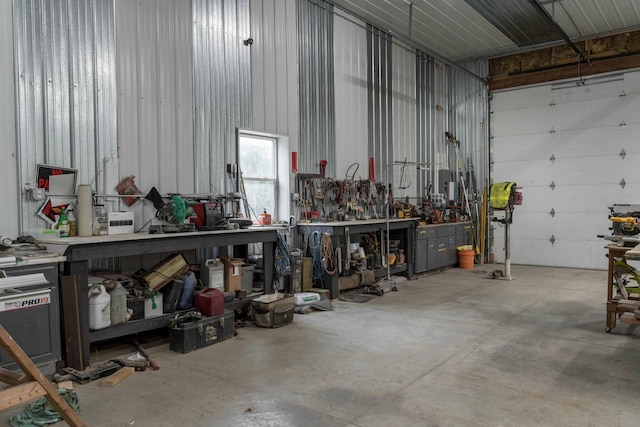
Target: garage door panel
{"x":557,"y":122}
{"x":569,"y":143}
{"x":574,"y":94}
{"x":563,"y":253}
{"x":536,"y":146}
{"x":528,"y":173}
{"x":524,"y":121}
{"x":588,"y":114}
{"x":568,"y":172}
{"x":524,"y":98}
{"x":589,"y":141}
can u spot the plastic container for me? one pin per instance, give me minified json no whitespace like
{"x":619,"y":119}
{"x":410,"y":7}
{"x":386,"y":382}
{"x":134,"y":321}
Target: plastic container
{"x":264,"y":218}
{"x":210,"y":302}
{"x":99,"y":307}
{"x":466,"y":259}
{"x":171,"y":294}
{"x":100,"y":221}
{"x":212,"y":274}
{"x":188,"y":286}
{"x":153,"y":305}
{"x":246,"y":277}
{"x":118,"y":302}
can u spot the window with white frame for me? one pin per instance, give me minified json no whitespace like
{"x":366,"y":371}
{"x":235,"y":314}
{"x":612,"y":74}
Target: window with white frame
{"x":263,"y":163}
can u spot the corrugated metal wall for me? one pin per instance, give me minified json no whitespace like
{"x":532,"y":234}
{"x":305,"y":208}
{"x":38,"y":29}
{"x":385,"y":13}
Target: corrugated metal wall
{"x":379,"y":102}
{"x":426,"y":118}
{"x":274,"y":68}
{"x":468,"y":121}
{"x":9,"y":190}
{"x":222,"y":88}
{"x":350,"y":77}
{"x":66,"y":96}
{"x":154,"y":75}
{"x":316,"y":87}
{"x":405,"y":177}
{"x":451,"y":101}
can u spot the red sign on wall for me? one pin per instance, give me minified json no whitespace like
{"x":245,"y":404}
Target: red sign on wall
{"x":44,"y":172}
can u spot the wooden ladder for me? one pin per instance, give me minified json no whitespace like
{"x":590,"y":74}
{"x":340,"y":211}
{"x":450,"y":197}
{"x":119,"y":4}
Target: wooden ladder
{"x":30,"y":384}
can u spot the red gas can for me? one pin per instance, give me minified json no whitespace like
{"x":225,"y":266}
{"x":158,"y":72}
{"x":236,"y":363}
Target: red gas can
{"x":210,"y":301}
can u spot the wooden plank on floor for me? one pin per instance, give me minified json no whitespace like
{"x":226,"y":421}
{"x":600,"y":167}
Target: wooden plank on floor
{"x":117,"y":377}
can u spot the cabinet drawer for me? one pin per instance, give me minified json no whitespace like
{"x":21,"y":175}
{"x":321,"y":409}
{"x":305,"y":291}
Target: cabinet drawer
{"x":425,"y":233}
{"x":446,"y":230}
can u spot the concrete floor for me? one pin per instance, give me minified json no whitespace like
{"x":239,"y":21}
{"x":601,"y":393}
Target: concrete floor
{"x":449,"y":349}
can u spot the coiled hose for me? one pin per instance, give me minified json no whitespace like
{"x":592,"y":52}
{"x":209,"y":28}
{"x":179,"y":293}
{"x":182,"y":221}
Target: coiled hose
{"x":282,"y":261}
{"x":316,"y":256}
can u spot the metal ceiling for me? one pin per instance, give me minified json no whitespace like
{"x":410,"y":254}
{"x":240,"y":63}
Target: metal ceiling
{"x":461,"y":30}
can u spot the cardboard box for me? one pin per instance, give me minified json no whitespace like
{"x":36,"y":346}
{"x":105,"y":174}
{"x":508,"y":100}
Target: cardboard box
{"x":165,"y":271}
{"x":232,"y":274}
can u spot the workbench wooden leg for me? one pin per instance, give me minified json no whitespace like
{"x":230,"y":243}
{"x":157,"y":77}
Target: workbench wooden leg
{"x":612,"y":312}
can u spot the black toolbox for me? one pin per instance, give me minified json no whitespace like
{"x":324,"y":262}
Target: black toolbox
{"x":191,"y":331}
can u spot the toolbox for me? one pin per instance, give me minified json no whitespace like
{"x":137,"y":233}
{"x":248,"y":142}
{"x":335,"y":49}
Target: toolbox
{"x":192,"y":331}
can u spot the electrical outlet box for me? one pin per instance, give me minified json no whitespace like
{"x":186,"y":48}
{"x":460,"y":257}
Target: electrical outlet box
{"x":232,"y":168}
{"x":37,"y":194}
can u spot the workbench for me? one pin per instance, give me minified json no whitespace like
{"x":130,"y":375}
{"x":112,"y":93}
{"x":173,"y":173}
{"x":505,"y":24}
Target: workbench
{"x":399,"y":229}
{"x":80,"y":250}
{"x":616,"y":306}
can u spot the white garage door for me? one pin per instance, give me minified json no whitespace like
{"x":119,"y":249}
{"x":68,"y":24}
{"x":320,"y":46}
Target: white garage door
{"x":575,"y":150}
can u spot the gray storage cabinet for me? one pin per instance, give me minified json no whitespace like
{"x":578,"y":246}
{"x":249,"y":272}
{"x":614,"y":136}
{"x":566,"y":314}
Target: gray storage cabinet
{"x":437,"y":244}
{"x":36,"y":329}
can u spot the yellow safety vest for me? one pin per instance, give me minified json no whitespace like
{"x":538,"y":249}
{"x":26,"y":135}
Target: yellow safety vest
{"x":501,"y":194}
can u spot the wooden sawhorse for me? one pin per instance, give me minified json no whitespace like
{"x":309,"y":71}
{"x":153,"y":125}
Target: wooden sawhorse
{"x":31,"y":384}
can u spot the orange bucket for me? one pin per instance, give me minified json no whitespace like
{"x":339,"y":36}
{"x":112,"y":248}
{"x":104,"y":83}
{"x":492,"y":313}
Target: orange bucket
{"x":466,"y":259}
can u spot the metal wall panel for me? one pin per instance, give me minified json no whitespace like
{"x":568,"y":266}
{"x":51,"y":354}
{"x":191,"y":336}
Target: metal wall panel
{"x":404,"y":123}
{"x":222,"y":88}
{"x":316,"y":86}
{"x":274,"y":68}
{"x":379,"y":103}
{"x":155,"y":125}
{"x":350,"y":77}
{"x":9,"y":190}
{"x":65,"y":83}
{"x":468,"y":122}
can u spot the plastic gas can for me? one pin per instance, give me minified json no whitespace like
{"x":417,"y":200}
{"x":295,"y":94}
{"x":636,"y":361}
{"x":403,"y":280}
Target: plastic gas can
{"x":210,"y":302}
{"x":99,"y":307}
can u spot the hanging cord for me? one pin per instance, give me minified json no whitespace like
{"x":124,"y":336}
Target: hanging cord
{"x":282,"y":261}
{"x":328,"y":257}
{"x":353,"y":175}
{"x":316,"y":256}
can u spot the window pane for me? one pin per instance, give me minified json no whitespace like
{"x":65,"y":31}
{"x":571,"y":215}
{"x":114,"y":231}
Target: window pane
{"x":257,"y":157}
{"x":260,"y":195}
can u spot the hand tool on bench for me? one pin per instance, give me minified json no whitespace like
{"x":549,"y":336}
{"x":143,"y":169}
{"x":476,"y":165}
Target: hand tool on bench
{"x":142,"y":351}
